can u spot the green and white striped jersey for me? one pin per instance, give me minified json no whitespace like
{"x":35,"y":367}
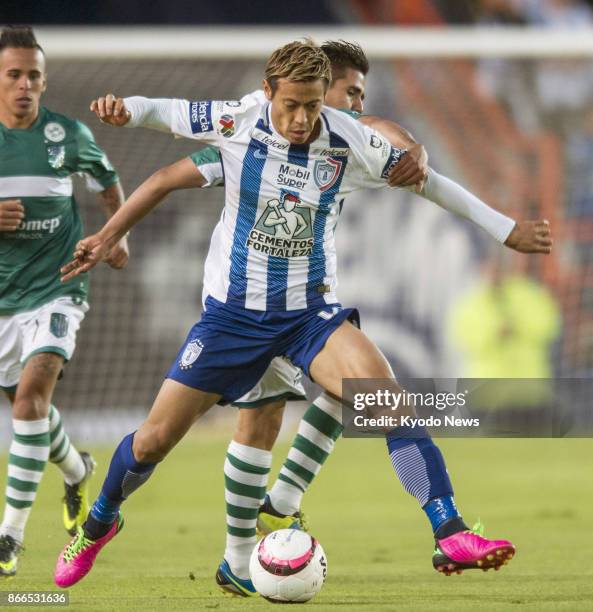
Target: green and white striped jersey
{"x":36,"y":166}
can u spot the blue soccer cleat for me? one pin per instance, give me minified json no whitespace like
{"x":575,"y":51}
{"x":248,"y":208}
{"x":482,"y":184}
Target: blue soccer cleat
{"x":231,"y":584}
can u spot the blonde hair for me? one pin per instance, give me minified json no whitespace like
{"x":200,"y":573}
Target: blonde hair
{"x":299,"y":61}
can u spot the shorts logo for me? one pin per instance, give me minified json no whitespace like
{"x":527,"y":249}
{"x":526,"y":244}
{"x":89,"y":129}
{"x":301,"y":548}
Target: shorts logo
{"x":58,"y":324}
{"x":326,"y":173}
{"x":227,"y":125}
{"x":190,"y":354}
{"x":56,"y":156}
{"x":284,"y":229}
{"x":54,"y":132}
{"x":200,"y":117}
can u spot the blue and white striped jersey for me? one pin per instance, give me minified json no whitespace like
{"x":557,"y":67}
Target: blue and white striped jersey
{"x":273,"y":248}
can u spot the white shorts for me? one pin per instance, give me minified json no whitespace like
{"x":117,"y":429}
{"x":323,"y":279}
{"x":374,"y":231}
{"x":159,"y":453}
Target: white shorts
{"x":281,"y":380}
{"x":51,"y":328}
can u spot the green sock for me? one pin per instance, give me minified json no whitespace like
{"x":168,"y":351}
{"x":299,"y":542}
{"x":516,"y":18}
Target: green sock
{"x":27,"y":457}
{"x":246,"y":471}
{"x":318,"y":430}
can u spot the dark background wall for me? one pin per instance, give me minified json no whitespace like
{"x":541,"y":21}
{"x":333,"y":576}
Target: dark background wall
{"x":179,"y":12}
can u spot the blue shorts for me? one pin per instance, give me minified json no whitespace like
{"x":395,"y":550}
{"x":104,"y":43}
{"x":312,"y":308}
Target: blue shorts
{"x":228,"y":350}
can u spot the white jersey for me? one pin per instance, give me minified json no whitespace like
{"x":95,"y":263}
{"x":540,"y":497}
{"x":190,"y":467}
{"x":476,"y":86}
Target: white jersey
{"x":273,"y":248}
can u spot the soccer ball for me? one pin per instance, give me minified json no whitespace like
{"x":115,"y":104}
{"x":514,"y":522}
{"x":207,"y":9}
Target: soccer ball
{"x":288,"y":565}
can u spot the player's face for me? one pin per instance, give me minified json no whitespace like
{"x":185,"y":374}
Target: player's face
{"x":296,"y":108}
{"x":22,"y":81}
{"x":347,"y":92}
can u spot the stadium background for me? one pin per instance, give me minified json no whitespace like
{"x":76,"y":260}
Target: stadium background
{"x":517,"y":131}
{"x":515,"y":128}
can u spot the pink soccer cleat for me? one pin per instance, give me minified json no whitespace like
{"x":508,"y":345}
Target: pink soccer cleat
{"x":76,"y":560}
{"x":470,"y":550}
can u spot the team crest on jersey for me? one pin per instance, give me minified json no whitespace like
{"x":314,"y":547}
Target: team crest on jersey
{"x":326,"y":173}
{"x":376,"y":142}
{"x":284,"y":229}
{"x":190,"y":354}
{"x":54,"y":132}
{"x":56,"y":156}
{"x":227,"y":126}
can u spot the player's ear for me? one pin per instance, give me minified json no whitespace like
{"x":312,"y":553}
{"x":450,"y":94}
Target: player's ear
{"x":267,"y":89}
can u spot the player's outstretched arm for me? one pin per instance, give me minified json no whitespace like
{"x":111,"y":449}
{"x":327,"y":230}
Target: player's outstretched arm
{"x":522,"y":236}
{"x":93,"y":249}
{"x":195,"y":120}
{"x":412,"y":168}
{"x":12,"y":213}
{"x":156,"y":114}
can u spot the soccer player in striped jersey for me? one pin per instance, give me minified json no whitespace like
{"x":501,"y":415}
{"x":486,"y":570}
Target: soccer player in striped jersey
{"x":39,"y":316}
{"x":261,"y":408}
{"x":264,"y":294}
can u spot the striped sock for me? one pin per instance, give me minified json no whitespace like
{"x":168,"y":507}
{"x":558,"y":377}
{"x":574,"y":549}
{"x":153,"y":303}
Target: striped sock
{"x":62,"y":451}
{"x":27,"y":457}
{"x":246,"y":471}
{"x":319,"y":428}
{"x":420,"y":466}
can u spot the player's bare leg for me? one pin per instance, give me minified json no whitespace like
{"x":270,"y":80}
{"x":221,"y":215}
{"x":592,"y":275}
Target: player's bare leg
{"x":30,"y":450}
{"x":419,"y":464}
{"x":259,"y":427}
{"x":175,"y":409}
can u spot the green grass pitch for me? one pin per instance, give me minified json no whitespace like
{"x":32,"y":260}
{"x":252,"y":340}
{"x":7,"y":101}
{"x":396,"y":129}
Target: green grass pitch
{"x":538,"y":493}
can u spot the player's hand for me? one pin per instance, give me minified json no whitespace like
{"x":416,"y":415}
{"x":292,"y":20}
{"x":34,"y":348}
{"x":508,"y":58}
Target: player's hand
{"x":412,"y":169}
{"x":531,"y":237}
{"x":88,"y":253}
{"x":12,"y":212}
{"x":111,"y":110}
{"x":118,"y":256}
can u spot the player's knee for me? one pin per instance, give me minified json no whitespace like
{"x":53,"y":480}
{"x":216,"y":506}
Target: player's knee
{"x":274,"y":425}
{"x":151,"y":444}
{"x":29,"y":406}
{"x":259,"y":427}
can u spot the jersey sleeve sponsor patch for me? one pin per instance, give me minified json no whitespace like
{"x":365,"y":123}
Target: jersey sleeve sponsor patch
{"x":394,"y":156}
{"x":226,"y":126}
{"x":200,"y":116}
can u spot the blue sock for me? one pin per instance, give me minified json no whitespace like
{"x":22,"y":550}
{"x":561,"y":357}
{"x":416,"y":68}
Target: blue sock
{"x":125,"y":475}
{"x":440,"y":510}
{"x":420,"y":466}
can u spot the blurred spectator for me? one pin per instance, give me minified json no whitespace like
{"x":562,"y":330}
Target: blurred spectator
{"x":546,"y":93}
{"x":505,"y":329}
{"x":579,"y":159}
{"x":505,"y":326}
{"x":509,"y":81}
